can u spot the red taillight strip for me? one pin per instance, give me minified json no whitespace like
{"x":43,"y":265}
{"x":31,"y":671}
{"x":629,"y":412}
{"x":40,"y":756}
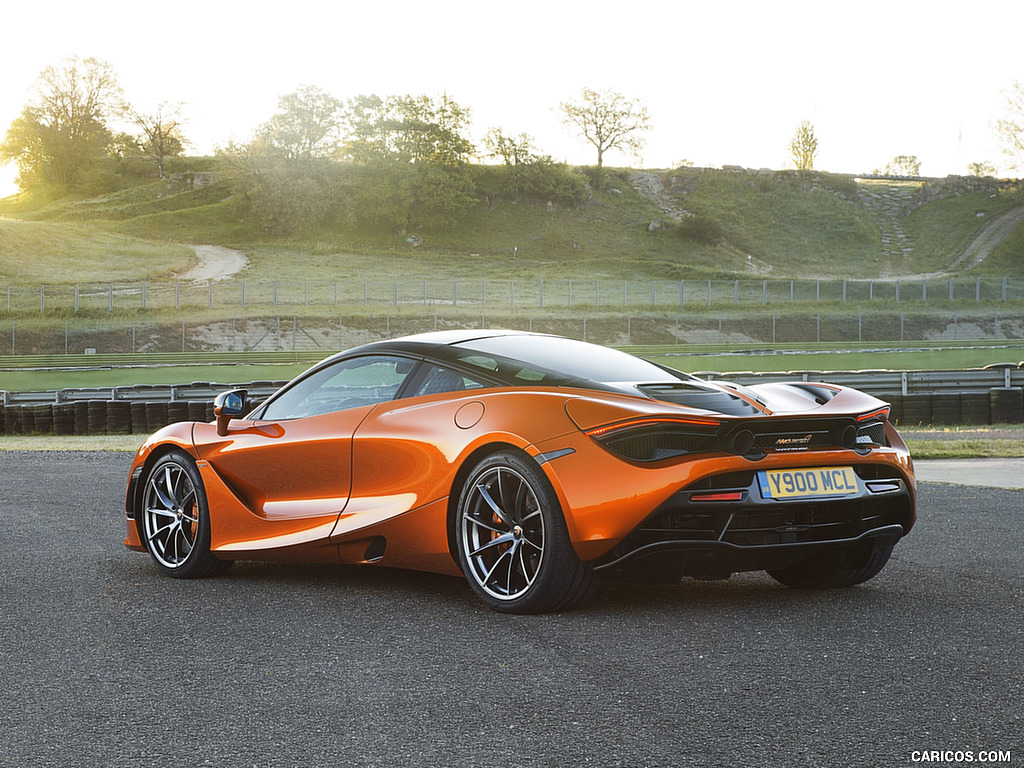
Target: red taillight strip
{"x":880,"y":413}
{"x":699,"y":498}
{"x":635,"y":423}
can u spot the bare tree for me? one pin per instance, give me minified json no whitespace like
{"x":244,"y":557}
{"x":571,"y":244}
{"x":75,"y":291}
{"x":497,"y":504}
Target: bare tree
{"x":1010,"y":130}
{"x":162,"y":135}
{"x":803,"y":147}
{"x":608,"y":120}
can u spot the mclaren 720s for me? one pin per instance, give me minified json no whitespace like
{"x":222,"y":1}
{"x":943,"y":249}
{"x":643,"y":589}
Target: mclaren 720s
{"x":532,"y":465}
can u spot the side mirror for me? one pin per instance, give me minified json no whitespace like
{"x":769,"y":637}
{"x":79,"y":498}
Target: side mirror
{"x":228,"y":406}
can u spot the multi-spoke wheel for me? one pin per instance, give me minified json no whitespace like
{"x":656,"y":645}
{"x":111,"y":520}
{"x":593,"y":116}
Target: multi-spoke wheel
{"x":176,"y":521}
{"x":512,"y":541}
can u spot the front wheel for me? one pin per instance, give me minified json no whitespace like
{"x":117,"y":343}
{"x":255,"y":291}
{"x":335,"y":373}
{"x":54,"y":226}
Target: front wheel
{"x":175,"y":525}
{"x":512,"y":541}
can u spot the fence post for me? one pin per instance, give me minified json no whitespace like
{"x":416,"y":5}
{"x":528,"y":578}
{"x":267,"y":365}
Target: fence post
{"x":110,"y":297}
{"x":76,"y":297}
{"x":42,"y":299}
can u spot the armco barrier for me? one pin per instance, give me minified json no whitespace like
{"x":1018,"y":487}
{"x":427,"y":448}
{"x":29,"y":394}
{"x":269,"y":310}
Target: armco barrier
{"x":992,"y":395}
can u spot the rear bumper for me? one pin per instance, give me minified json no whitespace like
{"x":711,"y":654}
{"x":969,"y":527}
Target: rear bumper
{"x":729,"y":524}
{"x":719,"y":559}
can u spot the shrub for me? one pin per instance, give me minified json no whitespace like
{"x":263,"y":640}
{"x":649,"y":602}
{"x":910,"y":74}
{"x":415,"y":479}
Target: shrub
{"x":701,"y":229}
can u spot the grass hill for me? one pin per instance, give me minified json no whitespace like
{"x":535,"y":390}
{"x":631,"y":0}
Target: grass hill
{"x":638,"y":225}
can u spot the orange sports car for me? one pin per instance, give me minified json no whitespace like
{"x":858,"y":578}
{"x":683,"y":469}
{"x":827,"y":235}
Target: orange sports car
{"x":533,"y":465}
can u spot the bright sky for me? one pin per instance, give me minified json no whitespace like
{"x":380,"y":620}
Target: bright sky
{"x":726,"y":83}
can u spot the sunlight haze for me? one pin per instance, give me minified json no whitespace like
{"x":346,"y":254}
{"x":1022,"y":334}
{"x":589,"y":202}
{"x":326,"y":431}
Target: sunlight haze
{"x":724,"y":83}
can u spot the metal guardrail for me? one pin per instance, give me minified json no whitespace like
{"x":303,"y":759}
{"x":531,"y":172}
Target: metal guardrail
{"x":977,"y":396}
{"x":157,"y":393}
{"x":884,"y":382}
{"x":875,"y":382}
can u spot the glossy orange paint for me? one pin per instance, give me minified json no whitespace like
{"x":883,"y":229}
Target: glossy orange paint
{"x":376,"y":484}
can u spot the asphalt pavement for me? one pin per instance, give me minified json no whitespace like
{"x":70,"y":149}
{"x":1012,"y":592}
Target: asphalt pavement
{"x":990,"y":473}
{"x":106,"y":663}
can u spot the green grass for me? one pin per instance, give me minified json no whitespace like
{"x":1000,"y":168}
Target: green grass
{"x":36,"y":252}
{"x":940,"y":230}
{"x":845,"y":360}
{"x":792,"y":225}
{"x":87,"y":371}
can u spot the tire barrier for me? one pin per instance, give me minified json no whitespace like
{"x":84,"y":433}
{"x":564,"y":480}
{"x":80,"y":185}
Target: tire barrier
{"x":1007,"y":405}
{"x":1003,"y":405}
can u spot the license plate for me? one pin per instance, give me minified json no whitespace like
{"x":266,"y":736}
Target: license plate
{"x":806,"y":483}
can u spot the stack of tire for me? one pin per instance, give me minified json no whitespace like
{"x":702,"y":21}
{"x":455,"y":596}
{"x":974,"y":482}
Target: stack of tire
{"x":156,"y":416}
{"x":917,"y":409}
{"x":63,"y":419}
{"x":1007,"y":405}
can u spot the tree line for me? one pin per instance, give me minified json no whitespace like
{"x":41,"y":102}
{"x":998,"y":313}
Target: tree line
{"x":392,"y":162}
{"x":380,"y":162}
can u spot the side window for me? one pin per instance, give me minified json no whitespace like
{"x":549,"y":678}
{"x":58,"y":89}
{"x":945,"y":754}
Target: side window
{"x":346,"y":384}
{"x":437,"y":380}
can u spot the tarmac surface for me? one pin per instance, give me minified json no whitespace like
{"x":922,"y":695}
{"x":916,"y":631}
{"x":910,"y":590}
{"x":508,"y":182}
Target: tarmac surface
{"x":107,"y":663}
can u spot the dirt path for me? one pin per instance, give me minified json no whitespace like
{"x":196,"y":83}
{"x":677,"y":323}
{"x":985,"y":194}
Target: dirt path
{"x":988,"y":239}
{"x":215,"y":263}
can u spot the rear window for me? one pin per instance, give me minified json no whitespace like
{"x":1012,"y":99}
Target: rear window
{"x":552,"y":359}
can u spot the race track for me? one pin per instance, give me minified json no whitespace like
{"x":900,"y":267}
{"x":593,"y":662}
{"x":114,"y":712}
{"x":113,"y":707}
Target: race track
{"x":106,"y":663}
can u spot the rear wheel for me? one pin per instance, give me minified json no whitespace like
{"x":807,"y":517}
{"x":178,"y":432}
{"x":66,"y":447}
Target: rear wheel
{"x":833,"y":572}
{"x":512,"y":541}
{"x":175,"y":522}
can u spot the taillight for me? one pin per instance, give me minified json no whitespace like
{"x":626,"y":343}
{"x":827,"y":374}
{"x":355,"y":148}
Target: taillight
{"x":656,"y":439}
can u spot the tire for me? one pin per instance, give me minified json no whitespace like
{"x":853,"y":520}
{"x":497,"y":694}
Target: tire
{"x":512,"y":542}
{"x":833,"y":572}
{"x":174,"y":521}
